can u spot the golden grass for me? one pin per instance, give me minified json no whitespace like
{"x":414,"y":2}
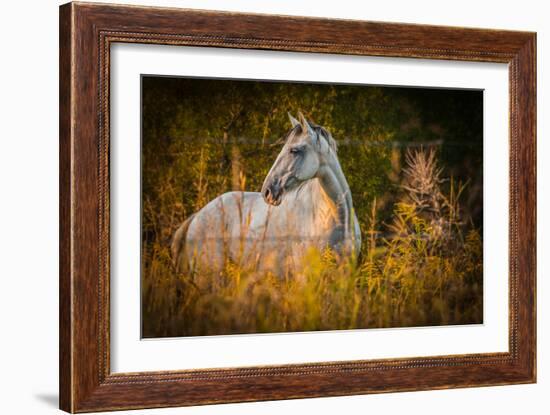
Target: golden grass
{"x":399,"y":283}
{"x":427,"y":270}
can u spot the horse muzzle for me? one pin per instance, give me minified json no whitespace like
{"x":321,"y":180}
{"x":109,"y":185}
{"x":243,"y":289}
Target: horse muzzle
{"x":273,"y":193}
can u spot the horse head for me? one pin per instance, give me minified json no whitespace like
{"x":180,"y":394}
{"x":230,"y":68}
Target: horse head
{"x":304,"y":154}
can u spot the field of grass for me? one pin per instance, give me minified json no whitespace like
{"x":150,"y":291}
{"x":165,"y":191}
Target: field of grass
{"x":423,"y":268}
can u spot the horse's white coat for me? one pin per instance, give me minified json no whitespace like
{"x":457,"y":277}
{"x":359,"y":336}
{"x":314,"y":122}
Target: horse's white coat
{"x":305,"y":202}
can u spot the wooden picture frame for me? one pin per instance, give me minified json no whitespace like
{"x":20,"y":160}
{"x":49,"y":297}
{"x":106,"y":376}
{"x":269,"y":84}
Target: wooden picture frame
{"x":86,"y":33}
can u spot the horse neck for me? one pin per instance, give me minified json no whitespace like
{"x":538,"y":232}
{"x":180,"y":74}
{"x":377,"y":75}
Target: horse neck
{"x":336,"y":187}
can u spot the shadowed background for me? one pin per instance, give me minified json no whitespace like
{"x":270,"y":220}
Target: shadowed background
{"x":204,"y":137}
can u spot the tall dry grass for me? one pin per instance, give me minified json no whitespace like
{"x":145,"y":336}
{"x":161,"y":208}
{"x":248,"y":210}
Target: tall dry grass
{"x":425,"y":268}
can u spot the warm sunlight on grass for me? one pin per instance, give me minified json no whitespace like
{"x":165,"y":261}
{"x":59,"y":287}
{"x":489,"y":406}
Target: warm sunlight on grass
{"x":423,"y":268}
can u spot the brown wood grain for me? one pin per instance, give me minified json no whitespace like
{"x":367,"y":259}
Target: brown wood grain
{"x":65,"y":247}
{"x":86,"y":33}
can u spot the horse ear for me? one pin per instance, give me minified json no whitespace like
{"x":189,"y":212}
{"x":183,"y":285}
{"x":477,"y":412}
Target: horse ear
{"x":303,"y":121}
{"x":305,"y":125}
{"x":293,"y":120}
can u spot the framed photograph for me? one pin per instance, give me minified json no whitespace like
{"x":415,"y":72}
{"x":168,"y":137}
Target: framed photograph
{"x":258,"y":207}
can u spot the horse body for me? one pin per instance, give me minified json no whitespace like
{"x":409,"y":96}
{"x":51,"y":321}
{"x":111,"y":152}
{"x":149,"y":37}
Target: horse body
{"x":305,"y":203}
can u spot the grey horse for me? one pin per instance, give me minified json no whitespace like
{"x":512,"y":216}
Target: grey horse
{"x":305,"y":203}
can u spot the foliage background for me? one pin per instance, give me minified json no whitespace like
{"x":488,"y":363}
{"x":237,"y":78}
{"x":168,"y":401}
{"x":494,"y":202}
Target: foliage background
{"x":203,"y":137}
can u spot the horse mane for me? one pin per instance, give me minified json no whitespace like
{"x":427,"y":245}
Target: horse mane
{"x":321,"y":132}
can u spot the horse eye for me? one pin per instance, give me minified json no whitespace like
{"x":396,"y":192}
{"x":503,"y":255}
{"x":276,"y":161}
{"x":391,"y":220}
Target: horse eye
{"x":295,"y":150}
